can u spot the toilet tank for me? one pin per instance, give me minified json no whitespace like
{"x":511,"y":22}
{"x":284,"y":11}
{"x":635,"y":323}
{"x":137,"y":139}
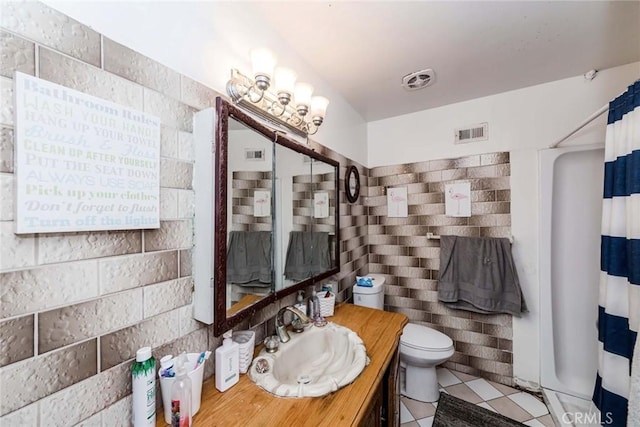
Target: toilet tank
{"x":372,"y":297}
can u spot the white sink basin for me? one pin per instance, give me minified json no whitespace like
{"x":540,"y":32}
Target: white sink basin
{"x":313,"y":363}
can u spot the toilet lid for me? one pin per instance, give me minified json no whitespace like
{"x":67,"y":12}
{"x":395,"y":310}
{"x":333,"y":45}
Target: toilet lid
{"x":422,"y":337}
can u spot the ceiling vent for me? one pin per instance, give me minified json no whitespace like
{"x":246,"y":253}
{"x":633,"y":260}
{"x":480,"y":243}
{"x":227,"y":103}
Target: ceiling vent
{"x":254,"y":154}
{"x":474,"y":133}
{"x":419,"y":79}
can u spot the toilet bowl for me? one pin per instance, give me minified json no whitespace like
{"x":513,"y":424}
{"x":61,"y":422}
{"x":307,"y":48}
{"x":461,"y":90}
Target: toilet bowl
{"x":421,"y":348}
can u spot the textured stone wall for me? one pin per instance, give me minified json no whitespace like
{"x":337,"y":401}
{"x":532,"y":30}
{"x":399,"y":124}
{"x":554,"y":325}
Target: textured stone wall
{"x":400,"y":250}
{"x":74,"y":307}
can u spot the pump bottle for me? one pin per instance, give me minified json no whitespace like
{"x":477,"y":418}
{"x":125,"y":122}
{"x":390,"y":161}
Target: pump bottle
{"x":227,"y":363}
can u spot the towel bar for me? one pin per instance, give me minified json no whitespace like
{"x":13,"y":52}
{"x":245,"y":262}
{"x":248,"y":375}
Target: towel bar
{"x":432,"y":236}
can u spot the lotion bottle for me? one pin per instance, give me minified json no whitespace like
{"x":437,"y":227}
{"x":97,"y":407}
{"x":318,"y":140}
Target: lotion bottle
{"x":227,"y":363}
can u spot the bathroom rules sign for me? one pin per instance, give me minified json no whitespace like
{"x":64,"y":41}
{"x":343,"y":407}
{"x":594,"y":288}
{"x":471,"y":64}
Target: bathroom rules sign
{"x":83,"y":163}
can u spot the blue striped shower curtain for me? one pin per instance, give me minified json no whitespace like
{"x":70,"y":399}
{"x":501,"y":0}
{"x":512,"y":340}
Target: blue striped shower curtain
{"x":619,"y":302}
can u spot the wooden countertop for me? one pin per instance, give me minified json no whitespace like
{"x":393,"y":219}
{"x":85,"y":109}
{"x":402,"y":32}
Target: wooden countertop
{"x":246,"y":404}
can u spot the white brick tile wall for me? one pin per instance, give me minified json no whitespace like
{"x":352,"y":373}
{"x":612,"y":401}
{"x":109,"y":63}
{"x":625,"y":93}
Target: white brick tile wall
{"x":23,"y":417}
{"x":32,"y":379}
{"x":85,"y":78}
{"x":6,"y":101}
{"x":60,"y":247}
{"x":16,"y":250}
{"x":82,"y":400}
{"x":73,"y":323}
{"x":6,"y":196}
{"x":172,"y":112}
{"x":45,"y":25}
{"x":130,"y":271}
{"x":18,"y":54}
{"x":27,"y":291}
{"x":169,"y":203}
{"x":166,"y":296}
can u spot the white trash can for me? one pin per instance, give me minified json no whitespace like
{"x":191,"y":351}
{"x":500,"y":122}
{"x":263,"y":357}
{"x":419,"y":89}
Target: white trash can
{"x":195,"y":375}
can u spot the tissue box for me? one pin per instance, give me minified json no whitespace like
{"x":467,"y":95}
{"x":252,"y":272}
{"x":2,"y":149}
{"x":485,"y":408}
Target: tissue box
{"x":327,"y":305}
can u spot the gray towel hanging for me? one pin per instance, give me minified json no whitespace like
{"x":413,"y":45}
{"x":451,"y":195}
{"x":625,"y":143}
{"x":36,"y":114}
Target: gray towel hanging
{"x":307,"y":254}
{"x":249,"y":258}
{"x":478,"y":274}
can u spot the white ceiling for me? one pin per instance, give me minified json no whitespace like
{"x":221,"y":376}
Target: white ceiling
{"x":363,"y":49}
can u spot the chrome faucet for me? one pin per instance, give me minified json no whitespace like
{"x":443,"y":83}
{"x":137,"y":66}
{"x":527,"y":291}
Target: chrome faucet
{"x":281,"y":328}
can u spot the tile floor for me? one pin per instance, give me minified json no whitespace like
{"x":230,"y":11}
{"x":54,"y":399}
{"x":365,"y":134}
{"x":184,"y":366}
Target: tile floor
{"x":507,"y":401}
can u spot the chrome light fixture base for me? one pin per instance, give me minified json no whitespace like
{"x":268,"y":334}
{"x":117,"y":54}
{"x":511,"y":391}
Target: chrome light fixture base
{"x":244,"y":92}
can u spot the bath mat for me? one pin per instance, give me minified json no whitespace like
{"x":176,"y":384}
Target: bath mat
{"x":454,"y":412}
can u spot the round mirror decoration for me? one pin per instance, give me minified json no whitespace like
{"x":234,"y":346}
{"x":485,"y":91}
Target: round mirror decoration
{"x":352,"y":184}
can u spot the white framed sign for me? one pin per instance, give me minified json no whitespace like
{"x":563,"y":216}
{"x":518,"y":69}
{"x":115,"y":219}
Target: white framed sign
{"x":261,"y":203}
{"x":321,"y":204}
{"x":83,"y":163}
{"x":397,"y":206}
{"x":457,"y":202}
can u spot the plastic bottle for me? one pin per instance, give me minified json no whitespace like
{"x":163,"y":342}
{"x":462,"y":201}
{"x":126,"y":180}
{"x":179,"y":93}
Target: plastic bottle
{"x":181,"y":395}
{"x":144,"y":388}
{"x":300,"y":302}
{"x":227,"y":363}
{"x":166,"y":366}
{"x":313,"y":305}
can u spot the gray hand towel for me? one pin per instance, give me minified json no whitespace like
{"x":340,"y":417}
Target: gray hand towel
{"x":307,"y":254}
{"x":249,"y":257}
{"x":478,"y":274}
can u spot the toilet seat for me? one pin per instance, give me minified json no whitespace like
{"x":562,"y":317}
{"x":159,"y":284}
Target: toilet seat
{"x":424,"y":338}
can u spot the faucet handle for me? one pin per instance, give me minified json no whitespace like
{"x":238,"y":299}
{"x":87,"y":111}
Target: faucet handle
{"x":298,"y":324}
{"x":271,"y":343}
{"x":319,"y":321}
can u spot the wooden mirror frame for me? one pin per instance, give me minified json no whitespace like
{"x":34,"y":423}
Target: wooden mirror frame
{"x":352,"y":171}
{"x":224,"y":110}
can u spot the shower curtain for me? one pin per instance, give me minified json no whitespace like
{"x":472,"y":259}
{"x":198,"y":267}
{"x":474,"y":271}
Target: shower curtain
{"x":619,"y":302}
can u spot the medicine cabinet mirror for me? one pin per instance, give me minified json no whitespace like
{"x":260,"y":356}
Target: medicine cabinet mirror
{"x":276,"y":222}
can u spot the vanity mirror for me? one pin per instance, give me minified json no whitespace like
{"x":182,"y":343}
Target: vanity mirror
{"x":276,"y":222}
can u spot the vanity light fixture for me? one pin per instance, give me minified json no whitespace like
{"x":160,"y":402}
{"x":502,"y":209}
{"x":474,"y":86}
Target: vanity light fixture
{"x":285,"y":102}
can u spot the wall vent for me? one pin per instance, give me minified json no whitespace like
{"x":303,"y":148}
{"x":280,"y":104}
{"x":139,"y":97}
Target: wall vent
{"x":474,"y":133}
{"x":254,"y":154}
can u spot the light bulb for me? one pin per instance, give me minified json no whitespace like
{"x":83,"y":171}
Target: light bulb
{"x":303,"y":97}
{"x":262,"y":62}
{"x":285,"y":80}
{"x":319,"y":106}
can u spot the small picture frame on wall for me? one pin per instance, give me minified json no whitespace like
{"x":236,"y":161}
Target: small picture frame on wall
{"x":321,"y":204}
{"x":457,"y":202}
{"x":397,"y":206}
{"x":261,"y":203}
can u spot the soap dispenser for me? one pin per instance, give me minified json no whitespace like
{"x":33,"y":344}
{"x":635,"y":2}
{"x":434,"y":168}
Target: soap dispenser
{"x":300,"y":302}
{"x":227,"y":363}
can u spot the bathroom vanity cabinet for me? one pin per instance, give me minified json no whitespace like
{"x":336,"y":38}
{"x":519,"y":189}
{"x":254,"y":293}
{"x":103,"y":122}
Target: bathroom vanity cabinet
{"x":371,"y":400}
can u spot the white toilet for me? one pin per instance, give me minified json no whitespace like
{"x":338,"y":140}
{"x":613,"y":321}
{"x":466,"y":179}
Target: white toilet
{"x":421,"y":348}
